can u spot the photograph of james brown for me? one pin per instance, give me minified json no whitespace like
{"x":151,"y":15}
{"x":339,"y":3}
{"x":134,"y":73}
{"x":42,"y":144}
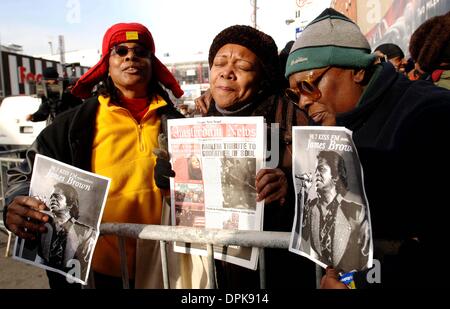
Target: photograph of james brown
{"x":66,"y":238}
{"x":332,"y":225}
{"x":74,"y":211}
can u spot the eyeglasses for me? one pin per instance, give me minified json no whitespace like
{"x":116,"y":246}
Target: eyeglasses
{"x":123,"y":50}
{"x":307,"y":87}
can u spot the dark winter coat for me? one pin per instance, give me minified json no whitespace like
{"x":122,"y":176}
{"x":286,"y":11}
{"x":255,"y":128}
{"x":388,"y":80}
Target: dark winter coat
{"x":400,"y":129}
{"x":68,"y":139}
{"x":283,"y":268}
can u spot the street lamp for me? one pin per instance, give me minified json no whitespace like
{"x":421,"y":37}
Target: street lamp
{"x":51,"y":47}
{"x":289,"y":21}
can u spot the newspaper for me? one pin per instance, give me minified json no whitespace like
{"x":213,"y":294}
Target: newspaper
{"x":75,"y":200}
{"x":215,"y":160}
{"x":332,"y":219}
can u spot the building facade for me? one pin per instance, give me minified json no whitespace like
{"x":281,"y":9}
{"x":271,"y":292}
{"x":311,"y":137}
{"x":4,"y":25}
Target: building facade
{"x":192,"y":73}
{"x":21,"y":73}
{"x":390,"y":21}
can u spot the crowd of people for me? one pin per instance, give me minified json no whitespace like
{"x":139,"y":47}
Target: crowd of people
{"x":330,"y":77}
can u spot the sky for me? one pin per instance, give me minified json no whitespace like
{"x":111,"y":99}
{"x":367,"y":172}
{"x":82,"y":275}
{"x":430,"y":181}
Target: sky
{"x":177,"y":26}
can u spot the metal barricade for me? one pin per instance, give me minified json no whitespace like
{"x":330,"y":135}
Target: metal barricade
{"x":209,"y":237}
{"x":8,"y":159}
{"x":5,"y":164}
{"x":165,"y":234}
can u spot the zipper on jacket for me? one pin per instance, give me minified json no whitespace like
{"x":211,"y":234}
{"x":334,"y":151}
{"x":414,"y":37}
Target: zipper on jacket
{"x":140,"y":128}
{"x":141,"y":137}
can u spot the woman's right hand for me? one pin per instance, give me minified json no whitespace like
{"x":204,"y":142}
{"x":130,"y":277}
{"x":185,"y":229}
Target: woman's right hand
{"x":24,"y":219}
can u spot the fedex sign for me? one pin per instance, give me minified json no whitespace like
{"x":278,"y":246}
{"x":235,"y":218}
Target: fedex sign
{"x":28,"y":77}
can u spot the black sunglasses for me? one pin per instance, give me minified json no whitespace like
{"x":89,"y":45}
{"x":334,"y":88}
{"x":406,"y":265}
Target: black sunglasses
{"x":123,"y":50}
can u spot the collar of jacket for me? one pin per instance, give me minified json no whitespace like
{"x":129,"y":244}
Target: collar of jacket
{"x":383,"y":77}
{"x":81,"y":133}
{"x":81,"y":129}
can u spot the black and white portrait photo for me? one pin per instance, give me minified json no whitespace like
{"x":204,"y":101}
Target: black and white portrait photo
{"x":332,"y":225}
{"x":74,"y":203}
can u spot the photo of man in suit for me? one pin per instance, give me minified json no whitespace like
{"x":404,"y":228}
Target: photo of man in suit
{"x":66,"y":238}
{"x":336,"y":229}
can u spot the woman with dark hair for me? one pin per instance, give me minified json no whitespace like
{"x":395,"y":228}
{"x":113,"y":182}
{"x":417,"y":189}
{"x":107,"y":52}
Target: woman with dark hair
{"x":194,"y":168}
{"x":394,"y":55}
{"x":430,"y":49}
{"x":246,"y":80}
{"x":112,"y":134}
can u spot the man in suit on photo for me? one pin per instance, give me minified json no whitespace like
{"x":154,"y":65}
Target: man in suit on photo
{"x":337,"y":229}
{"x":66,"y":239}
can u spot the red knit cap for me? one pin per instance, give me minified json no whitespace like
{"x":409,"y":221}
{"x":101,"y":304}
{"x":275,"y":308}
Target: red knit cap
{"x":120,"y":33}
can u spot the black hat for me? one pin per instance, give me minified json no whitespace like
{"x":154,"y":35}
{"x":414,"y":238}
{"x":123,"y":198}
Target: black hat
{"x":391,"y":50}
{"x":258,"y":42}
{"x":50,"y":73}
{"x":284,"y":53}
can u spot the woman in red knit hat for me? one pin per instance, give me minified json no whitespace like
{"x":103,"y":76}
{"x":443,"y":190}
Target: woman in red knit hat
{"x":111,"y":134}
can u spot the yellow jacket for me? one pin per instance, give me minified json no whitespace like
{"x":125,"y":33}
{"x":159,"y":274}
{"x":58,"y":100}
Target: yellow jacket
{"x":122,"y":151}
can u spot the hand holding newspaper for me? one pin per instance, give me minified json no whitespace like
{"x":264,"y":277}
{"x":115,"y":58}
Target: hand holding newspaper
{"x":216,"y":160}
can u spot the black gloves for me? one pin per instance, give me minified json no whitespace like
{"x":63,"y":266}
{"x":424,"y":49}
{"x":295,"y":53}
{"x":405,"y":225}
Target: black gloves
{"x":163,"y":170}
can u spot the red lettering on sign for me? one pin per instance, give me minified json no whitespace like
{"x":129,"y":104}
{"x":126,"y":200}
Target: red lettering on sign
{"x":28,"y":77}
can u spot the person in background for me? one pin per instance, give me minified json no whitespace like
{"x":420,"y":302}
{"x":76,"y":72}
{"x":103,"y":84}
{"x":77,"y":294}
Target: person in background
{"x":246,"y":80}
{"x":409,"y":66}
{"x":56,"y":98}
{"x":394,"y":55}
{"x":430,"y":48}
{"x":398,"y":129}
{"x":112,"y":134}
{"x":283,"y":55}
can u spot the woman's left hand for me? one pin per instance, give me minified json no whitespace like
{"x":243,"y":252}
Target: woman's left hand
{"x":203,"y":102}
{"x":271,"y":185}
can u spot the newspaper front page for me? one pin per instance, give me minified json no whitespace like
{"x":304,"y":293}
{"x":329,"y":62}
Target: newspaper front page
{"x":75,"y":200}
{"x":216,"y":160}
{"x":332,"y":219}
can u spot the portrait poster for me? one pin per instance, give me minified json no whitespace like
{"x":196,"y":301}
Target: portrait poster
{"x":75,"y":200}
{"x":332,"y":218}
{"x":215,"y":160}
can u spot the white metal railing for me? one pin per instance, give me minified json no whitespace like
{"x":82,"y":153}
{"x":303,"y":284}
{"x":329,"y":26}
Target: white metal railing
{"x":165,"y":234}
{"x":8,"y":159}
{"x":209,"y":237}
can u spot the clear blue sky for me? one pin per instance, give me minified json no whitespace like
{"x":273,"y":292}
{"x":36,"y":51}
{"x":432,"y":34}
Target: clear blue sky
{"x":178,"y":26}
